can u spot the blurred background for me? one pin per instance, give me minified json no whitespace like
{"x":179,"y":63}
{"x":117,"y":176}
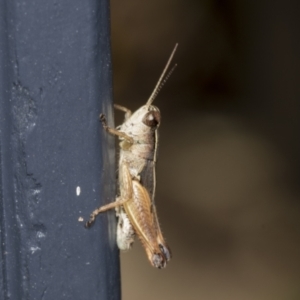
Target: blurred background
{"x":228,"y":167}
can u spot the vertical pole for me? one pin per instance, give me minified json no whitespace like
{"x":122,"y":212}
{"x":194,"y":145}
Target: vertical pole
{"x":56,"y":163}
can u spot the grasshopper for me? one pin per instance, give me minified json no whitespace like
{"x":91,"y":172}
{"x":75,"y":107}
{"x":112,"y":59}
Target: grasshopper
{"x":135,"y":207}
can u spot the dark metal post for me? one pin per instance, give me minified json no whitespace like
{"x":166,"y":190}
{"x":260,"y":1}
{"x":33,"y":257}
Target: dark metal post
{"x":56,"y":163}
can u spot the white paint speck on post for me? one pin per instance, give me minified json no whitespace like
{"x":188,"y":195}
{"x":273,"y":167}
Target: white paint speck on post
{"x":78,"y":190}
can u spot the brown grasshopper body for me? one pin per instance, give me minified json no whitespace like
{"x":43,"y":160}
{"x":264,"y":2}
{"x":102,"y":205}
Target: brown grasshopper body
{"x":135,"y":206}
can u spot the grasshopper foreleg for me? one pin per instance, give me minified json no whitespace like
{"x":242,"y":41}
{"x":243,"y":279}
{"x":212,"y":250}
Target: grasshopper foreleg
{"x":114,"y":131}
{"x":127,"y":111}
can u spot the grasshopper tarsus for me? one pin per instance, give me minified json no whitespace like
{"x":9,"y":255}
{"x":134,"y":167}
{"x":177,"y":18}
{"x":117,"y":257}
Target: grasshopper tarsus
{"x":102,"y":119}
{"x":91,"y":221}
{"x":89,"y":224}
{"x":93,"y":216}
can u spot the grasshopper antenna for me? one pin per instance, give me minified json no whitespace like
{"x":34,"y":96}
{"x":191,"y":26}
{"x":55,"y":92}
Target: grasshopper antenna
{"x":161,"y":80}
{"x":158,"y":88}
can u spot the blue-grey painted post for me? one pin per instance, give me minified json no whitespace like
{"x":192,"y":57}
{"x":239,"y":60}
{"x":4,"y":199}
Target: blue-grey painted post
{"x":56,"y":162}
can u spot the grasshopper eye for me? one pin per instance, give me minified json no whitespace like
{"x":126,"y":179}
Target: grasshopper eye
{"x":152,"y":119}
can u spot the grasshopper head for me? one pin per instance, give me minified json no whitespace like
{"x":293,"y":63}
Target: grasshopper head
{"x":143,"y":121}
{"x":148,"y":115}
{"x":151,"y":116}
